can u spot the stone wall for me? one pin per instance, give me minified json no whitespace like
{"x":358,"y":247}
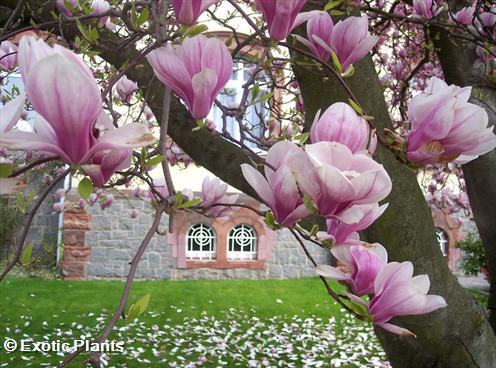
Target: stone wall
{"x":113,"y":238}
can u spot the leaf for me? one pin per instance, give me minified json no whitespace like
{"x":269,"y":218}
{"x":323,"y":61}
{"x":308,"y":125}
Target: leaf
{"x":154,"y":160}
{"x":332,"y":4}
{"x":138,"y":308}
{"x":143,"y":17}
{"x":355,"y":106}
{"x":336,"y":62}
{"x":303,"y":137}
{"x":264,"y":98}
{"x":315,"y":229}
{"x":255,"y":91}
{"x":26,"y":255}
{"x":191,"y":203}
{"x":309,"y":205}
{"x":195,"y":30}
{"x":179,"y":199}
{"x":6,"y":169}
{"x":85,"y":188}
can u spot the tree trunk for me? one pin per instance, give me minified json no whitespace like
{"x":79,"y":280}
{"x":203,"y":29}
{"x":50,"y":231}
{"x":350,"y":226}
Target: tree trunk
{"x":457,"y":60}
{"x":457,"y":336}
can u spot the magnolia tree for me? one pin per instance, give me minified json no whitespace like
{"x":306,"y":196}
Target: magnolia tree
{"x":345,"y":103}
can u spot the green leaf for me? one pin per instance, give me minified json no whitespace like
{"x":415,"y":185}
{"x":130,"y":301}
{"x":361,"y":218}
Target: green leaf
{"x":179,"y":199}
{"x":85,"y":188}
{"x":264,"y":98}
{"x":332,"y":4}
{"x":309,"y":205}
{"x":6,"y":169}
{"x":191,"y":203}
{"x":143,"y":17}
{"x":303,"y":137}
{"x":195,"y":30}
{"x":355,"y":106}
{"x":154,"y":160}
{"x":26,"y":255}
{"x":255,"y":91}
{"x":315,"y":230}
{"x":270,"y":220}
{"x":138,"y":308}
{"x":336,"y":12}
{"x":336,"y":62}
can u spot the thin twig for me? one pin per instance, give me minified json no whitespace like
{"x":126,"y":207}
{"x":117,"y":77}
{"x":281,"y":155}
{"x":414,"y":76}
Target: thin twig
{"x":331,"y":292}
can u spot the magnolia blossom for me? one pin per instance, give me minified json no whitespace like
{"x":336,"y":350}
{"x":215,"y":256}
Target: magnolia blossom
{"x":397,"y":293}
{"x":340,"y":123}
{"x":125,"y":88}
{"x":8,"y":55}
{"x":213,"y":192}
{"x":188,"y":11}
{"x":101,"y":7}
{"x":350,"y":40}
{"x":335,"y":179}
{"x":487,"y":19}
{"x":446,"y":127}
{"x":319,"y":30}
{"x":356,"y":218}
{"x":280,"y":16}
{"x":196,"y":71}
{"x":60,"y":4}
{"x":278,"y":189}
{"x":360,"y":264}
{"x":11,"y":112}
{"x":78,"y":132}
{"x":464,"y":16}
{"x":426,"y":8}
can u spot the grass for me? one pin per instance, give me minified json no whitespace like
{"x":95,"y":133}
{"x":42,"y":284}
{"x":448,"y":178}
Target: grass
{"x":60,"y":309}
{"x":212,"y":323}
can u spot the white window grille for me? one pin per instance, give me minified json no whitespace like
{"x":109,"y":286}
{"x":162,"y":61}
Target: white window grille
{"x":231,"y":96}
{"x":442,"y":239}
{"x":242,"y":243}
{"x":200,"y":242}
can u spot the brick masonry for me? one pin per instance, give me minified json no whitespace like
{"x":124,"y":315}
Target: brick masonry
{"x":100,"y":244}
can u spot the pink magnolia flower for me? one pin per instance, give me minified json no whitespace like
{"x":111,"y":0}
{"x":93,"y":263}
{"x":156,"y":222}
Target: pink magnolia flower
{"x":464,"y":16}
{"x":360,"y":264}
{"x":278,"y":189}
{"x":100,"y":7}
{"x":319,"y":30}
{"x":397,"y":293}
{"x":78,"y":132}
{"x":335,"y":178}
{"x":356,"y":218}
{"x":11,"y":112}
{"x":196,"y":71}
{"x":426,"y":8}
{"x":125,"y":88}
{"x":8,"y":55}
{"x":134,"y":213}
{"x":188,"y":11}
{"x":340,"y":123}
{"x":446,"y":127}
{"x":280,"y":16}
{"x":488,"y":19}
{"x":213,"y":192}
{"x":60,"y":4}
{"x":350,"y":40}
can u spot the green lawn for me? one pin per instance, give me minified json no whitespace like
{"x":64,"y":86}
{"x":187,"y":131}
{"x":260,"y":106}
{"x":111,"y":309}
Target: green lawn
{"x":215,"y":323}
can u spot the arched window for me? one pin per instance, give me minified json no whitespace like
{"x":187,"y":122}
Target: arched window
{"x":200,"y":242}
{"x":242,"y":243}
{"x":442,"y":239}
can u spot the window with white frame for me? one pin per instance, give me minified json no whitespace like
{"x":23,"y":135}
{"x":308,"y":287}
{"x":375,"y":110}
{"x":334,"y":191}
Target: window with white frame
{"x":256,"y":113}
{"x":442,"y":239}
{"x":201,"y":242}
{"x":242,"y":243}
